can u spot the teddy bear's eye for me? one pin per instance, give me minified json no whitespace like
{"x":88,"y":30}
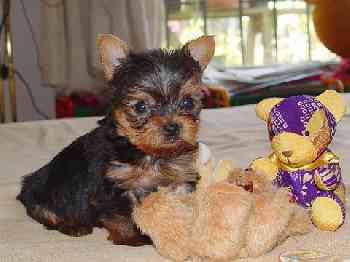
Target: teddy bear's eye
{"x":307,"y":133}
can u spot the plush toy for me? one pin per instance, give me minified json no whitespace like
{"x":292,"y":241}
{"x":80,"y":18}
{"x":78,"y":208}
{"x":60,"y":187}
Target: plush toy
{"x":233,"y":213}
{"x":300,"y":129}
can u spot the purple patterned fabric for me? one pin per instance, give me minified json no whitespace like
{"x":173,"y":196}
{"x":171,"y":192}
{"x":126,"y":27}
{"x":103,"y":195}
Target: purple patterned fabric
{"x":330,"y":175}
{"x":293,"y":114}
{"x":303,"y":186}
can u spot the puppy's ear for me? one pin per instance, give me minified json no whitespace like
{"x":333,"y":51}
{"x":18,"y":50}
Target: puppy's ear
{"x":201,"y":49}
{"x":111,"y":49}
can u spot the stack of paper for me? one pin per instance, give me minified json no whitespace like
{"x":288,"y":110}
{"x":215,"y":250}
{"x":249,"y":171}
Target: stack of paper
{"x":248,"y":80}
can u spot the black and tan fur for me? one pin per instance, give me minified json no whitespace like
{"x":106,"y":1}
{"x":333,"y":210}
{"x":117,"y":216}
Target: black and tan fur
{"x":146,"y":141}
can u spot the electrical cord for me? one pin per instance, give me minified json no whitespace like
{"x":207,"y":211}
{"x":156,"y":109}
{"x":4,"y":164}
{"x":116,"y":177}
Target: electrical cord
{"x":4,"y":70}
{"x":59,"y":3}
{"x":6,"y":13}
{"x":30,"y":93}
{"x":32,"y":33}
{"x":38,"y":63}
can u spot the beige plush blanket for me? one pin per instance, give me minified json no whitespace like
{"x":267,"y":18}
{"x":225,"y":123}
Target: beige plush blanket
{"x":233,"y":133}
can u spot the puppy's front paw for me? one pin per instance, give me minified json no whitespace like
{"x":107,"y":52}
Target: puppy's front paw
{"x":138,"y":240}
{"x":75,"y":231}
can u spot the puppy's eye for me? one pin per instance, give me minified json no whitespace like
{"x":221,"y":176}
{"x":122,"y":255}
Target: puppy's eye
{"x":307,"y":133}
{"x":187,"y":103}
{"x":140,"y":107}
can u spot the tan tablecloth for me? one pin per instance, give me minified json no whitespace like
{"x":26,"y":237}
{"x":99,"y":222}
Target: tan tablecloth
{"x":234,"y":133}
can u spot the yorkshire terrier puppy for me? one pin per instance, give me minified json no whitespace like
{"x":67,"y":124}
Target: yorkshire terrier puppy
{"x":147,"y":140}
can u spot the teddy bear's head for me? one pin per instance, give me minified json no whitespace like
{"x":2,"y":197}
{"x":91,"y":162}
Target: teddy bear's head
{"x":301,"y":127}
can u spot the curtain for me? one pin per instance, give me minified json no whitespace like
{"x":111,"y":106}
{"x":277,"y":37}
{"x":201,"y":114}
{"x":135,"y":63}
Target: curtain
{"x":69,"y":30}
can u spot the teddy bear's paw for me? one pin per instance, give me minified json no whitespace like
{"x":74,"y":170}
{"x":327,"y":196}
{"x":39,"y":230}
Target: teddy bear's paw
{"x":328,"y":177}
{"x":265,"y":167}
{"x":340,"y":192}
{"x":327,"y":214}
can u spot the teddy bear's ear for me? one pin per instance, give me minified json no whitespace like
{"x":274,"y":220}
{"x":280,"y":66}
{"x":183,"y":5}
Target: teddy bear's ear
{"x":334,"y":103}
{"x":264,"y":107}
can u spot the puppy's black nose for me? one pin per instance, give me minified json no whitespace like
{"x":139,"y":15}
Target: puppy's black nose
{"x":172,"y":129}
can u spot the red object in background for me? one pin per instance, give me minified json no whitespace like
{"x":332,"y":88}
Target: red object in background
{"x":207,"y":100}
{"x":85,"y":100}
{"x":76,"y":105}
{"x":340,"y":79}
{"x":343,"y":73}
{"x":64,"y":106}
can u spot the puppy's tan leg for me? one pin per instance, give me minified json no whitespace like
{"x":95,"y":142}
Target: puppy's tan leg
{"x":53,"y":222}
{"x":122,"y":231}
{"x":44,"y":216}
{"x":76,"y":230}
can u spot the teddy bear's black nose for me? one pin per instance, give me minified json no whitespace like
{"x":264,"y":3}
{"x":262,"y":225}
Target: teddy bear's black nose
{"x":287,"y":153}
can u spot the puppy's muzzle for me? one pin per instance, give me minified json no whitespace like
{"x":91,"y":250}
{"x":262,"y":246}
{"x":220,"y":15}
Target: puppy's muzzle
{"x":172,"y":130}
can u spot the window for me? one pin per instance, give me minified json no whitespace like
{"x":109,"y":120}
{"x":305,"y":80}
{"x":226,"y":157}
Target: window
{"x":248,"y":32}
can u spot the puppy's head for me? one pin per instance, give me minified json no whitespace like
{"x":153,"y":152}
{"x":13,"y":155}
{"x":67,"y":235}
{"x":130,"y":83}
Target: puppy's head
{"x":158,"y":94}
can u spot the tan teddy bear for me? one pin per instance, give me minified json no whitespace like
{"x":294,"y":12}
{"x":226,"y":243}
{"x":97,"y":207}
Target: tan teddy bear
{"x":300,"y":129}
{"x":233,"y":213}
